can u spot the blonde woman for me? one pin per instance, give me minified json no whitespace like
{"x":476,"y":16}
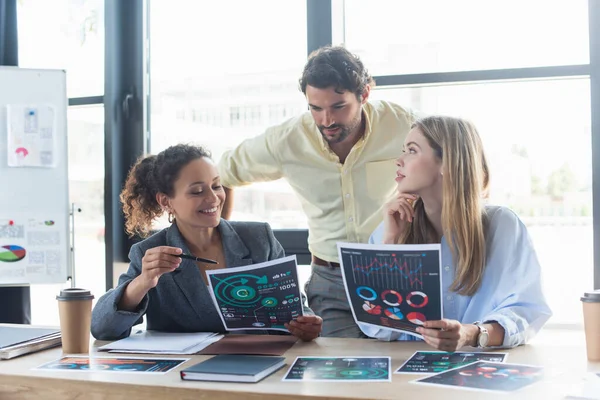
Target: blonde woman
{"x":491,"y":285}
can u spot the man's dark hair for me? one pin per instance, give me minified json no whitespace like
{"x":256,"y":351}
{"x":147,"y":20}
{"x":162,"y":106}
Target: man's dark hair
{"x":334,"y":66}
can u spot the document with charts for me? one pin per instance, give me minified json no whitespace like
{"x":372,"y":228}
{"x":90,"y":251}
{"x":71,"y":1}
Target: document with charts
{"x":486,"y":376}
{"x":31,"y":136}
{"x":259,"y":296}
{"x":396,"y":287}
{"x":348,"y":369}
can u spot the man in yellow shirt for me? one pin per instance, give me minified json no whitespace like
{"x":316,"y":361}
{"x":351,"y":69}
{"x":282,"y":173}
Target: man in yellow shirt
{"x":339,"y":158}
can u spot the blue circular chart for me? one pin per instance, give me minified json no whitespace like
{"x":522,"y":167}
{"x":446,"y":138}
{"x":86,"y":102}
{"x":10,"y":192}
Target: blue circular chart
{"x":360,"y":291}
{"x":234,"y":290}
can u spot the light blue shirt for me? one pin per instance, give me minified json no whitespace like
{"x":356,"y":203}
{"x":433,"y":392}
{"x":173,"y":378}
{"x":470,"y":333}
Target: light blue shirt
{"x":510,"y":292}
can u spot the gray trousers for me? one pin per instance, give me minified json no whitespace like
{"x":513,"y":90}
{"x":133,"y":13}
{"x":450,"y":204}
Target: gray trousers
{"x":327,"y":298}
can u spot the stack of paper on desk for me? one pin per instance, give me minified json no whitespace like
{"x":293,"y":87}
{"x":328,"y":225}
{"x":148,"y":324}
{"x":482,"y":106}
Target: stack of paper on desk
{"x":153,"y":342}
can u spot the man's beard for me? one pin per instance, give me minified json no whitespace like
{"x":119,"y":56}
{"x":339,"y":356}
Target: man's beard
{"x":345,"y":130}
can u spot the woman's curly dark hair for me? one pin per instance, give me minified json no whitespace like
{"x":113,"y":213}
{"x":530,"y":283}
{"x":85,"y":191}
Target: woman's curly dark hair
{"x":151,"y":175}
{"x":334,"y":66}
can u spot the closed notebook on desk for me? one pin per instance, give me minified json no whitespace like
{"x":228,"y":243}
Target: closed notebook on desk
{"x":233,"y":368}
{"x":16,"y":340}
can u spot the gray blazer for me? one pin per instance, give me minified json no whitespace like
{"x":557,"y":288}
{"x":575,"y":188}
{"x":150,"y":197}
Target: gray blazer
{"x":181,"y":301}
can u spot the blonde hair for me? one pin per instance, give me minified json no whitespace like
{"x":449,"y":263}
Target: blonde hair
{"x":466,"y":180}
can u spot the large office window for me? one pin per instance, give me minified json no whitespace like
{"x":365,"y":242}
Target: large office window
{"x":413,"y":37}
{"x":69,"y":35}
{"x":219,"y":77}
{"x":64,"y":34}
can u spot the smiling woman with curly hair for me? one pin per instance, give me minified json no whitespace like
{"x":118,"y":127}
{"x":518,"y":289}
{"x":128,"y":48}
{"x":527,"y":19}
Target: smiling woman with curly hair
{"x":183,"y":182}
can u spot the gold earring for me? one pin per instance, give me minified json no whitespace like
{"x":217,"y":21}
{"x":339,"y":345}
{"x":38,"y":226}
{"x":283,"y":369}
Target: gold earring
{"x":171,"y":218}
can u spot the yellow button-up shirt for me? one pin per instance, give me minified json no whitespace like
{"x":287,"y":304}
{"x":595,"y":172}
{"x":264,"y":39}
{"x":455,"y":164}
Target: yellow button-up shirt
{"x":343,"y":202}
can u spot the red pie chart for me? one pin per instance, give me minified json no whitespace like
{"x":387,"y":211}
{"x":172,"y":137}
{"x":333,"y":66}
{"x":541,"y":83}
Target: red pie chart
{"x":371,"y":308}
{"x":12,"y":253}
{"x":416,"y":318}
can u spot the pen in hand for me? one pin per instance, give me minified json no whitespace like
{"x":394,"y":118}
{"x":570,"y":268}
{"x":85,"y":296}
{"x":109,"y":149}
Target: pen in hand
{"x":194,"y":258}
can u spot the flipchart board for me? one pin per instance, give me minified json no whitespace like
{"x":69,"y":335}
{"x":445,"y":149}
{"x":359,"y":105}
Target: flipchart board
{"x":34,"y":192}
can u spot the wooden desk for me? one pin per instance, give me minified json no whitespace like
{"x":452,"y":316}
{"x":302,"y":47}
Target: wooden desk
{"x":561,"y":352}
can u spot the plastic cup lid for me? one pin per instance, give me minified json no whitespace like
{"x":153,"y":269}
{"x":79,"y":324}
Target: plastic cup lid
{"x":75,"y":294}
{"x":591,"y":297}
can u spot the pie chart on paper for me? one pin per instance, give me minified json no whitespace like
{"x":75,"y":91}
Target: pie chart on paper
{"x":416,"y":318}
{"x":11,"y":253}
{"x":371,"y":308}
{"x":394,"y":313}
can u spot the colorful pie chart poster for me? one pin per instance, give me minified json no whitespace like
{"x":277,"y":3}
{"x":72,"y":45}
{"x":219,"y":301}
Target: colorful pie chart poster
{"x":348,"y":369}
{"x":118,"y":364}
{"x":433,"y":362}
{"x":259,"y":296}
{"x":33,"y":249}
{"x":487,"y":376}
{"x":393,"y":286}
